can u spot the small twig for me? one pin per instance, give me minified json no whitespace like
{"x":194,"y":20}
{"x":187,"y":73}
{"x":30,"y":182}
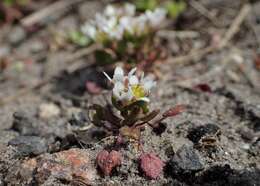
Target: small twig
{"x":204,"y":11}
{"x":41,"y":15}
{"x":171,"y":34}
{"x":233,"y":29}
{"x":235,"y":26}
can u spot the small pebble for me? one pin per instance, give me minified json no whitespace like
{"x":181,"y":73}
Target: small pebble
{"x":29,"y":145}
{"x":48,"y":110}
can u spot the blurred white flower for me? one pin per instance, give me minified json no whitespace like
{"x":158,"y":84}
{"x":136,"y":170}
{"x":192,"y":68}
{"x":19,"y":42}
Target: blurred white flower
{"x":129,"y":9}
{"x":126,"y":23}
{"x":141,"y":24}
{"x":156,"y":17}
{"x":110,"y":10}
{"x":115,"y":22}
{"x":89,"y":30}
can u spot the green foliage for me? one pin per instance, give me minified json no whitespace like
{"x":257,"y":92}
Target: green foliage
{"x":143,"y":5}
{"x":103,"y":57}
{"x":13,"y":2}
{"x":175,"y":8}
{"x":79,"y":38}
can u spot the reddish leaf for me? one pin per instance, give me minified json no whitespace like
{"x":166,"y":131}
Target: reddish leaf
{"x":203,"y":87}
{"x":108,"y":161}
{"x":92,"y":87}
{"x":257,"y":62}
{"x":151,"y":165}
{"x":174,"y":111}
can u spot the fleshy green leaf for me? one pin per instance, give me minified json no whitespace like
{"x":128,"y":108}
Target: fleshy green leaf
{"x":143,"y":5}
{"x":103,"y":57}
{"x":175,"y":8}
{"x":79,"y":38}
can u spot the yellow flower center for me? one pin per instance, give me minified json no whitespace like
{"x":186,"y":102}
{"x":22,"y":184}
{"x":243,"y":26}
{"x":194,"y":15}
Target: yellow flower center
{"x":138,"y":91}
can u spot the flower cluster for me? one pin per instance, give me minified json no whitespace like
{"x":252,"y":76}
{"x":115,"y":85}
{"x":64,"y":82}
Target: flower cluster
{"x":116,"y":23}
{"x":129,"y":88}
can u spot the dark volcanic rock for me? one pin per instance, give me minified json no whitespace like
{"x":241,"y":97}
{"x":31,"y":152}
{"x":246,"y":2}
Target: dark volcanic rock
{"x":24,"y":124}
{"x":221,"y":175}
{"x":186,"y":161}
{"x":196,"y":133}
{"x":29,"y":145}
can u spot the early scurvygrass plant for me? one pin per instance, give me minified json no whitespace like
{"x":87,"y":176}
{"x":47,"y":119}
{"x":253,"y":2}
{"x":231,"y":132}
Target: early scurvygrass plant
{"x":126,"y":35}
{"x":130,"y":109}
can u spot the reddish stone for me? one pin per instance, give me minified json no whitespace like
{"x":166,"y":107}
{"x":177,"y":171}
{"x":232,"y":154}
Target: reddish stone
{"x":108,"y":161}
{"x":151,"y":165}
{"x":71,"y":165}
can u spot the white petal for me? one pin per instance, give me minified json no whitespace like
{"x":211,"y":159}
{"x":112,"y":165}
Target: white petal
{"x":132,"y":72}
{"x":149,"y":85}
{"x":144,"y":99}
{"x":89,"y":30}
{"x":110,"y":11}
{"x":129,"y":9}
{"x":156,"y":17}
{"x":118,"y":74}
{"x":133,"y":80}
{"x":118,"y":90}
{"x":126,"y":23}
{"x":127,"y":96}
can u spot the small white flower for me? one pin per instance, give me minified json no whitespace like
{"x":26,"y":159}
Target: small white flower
{"x":129,"y":9}
{"x":110,"y":11}
{"x":89,"y":30}
{"x":115,"y":22}
{"x":127,"y":24}
{"x":156,"y":17}
{"x":140,"y":23}
{"x":129,"y":87}
{"x":116,"y":33}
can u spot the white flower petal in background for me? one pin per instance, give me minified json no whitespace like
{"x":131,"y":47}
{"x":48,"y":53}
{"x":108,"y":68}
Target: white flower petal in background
{"x":156,"y":17}
{"x":116,"y":22}
{"x":118,"y":74}
{"x":110,"y":10}
{"x":89,"y":30}
{"x":129,"y":9}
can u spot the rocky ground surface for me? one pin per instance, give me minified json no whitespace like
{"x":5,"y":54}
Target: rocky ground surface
{"x":216,"y":141}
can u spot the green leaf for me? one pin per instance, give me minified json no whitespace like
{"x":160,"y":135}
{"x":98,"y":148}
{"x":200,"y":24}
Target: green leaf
{"x":9,"y":2}
{"x":79,"y":38}
{"x":143,"y":5}
{"x":103,"y":57}
{"x":13,"y":2}
{"x":175,"y":8}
